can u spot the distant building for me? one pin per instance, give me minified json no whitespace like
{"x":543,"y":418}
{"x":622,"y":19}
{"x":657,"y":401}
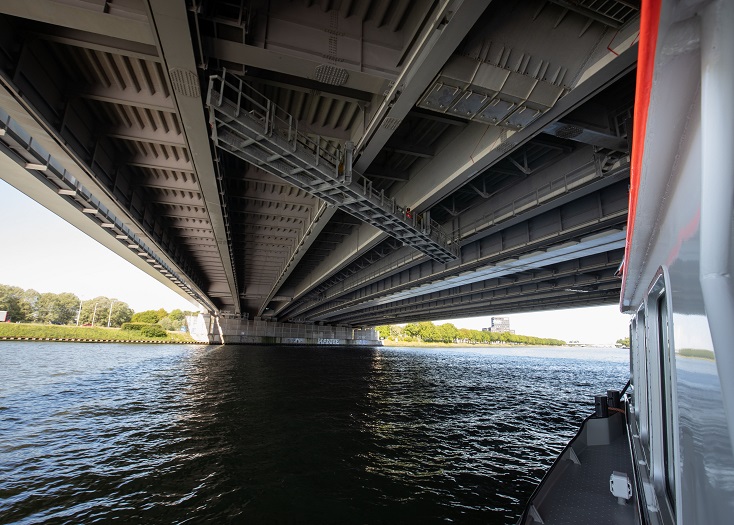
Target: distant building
{"x":4,"y":316}
{"x":499,"y":324}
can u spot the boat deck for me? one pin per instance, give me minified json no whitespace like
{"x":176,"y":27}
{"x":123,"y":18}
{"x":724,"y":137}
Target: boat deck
{"x":579,"y":493}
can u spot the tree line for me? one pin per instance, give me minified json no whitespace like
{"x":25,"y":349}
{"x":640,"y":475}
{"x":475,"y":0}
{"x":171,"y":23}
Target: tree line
{"x":173,"y":321}
{"x":30,"y":306}
{"x":448,"y":333}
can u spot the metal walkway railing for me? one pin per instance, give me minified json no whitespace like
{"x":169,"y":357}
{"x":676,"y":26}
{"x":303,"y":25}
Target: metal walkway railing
{"x":246,"y":124}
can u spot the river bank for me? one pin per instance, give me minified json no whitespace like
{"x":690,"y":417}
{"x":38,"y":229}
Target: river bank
{"x":83,"y":334}
{"x":422,"y":344}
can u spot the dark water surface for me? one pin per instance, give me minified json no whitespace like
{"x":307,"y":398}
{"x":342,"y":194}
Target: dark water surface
{"x":185,"y":434}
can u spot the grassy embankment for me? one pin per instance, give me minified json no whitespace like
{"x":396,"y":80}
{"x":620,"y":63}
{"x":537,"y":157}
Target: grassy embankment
{"x":44,"y":332}
{"x":697,"y":353}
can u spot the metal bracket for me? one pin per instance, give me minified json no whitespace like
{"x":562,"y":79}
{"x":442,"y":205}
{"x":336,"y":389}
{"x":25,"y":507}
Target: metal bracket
{"x":573,"y":457}
{"x":535,"y":514}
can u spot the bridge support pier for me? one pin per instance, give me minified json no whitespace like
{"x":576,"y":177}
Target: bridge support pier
{"x":204,"y":329}
{"x":221,"y":330}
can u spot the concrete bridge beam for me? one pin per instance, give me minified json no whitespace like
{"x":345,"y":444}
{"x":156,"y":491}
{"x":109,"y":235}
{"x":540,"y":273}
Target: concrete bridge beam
{"x":170,"y":19}
{"x":120,"y":23}
{"x":612,"y":240}
{"x":584,"y":279}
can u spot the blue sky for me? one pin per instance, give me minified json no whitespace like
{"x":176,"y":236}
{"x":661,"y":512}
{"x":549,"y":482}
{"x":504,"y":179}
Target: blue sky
{"x":43,"y":252}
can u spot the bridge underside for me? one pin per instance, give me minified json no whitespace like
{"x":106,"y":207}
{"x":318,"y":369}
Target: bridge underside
{"x":490,"y":165}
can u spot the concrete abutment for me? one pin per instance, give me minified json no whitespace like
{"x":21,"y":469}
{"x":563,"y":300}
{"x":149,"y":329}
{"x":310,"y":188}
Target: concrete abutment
{"x":210,"y":329}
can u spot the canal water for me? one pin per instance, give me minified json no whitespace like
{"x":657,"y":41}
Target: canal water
{"x":195,"y":434}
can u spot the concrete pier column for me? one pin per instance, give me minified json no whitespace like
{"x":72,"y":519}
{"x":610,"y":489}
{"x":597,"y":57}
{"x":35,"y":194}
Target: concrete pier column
{"x":204,"y":328}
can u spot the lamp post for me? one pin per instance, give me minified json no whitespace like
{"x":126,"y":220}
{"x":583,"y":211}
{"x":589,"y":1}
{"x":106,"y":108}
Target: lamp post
{"x":109,"y":317}
{"x":94,"y":314}
{"x":79,"y":313}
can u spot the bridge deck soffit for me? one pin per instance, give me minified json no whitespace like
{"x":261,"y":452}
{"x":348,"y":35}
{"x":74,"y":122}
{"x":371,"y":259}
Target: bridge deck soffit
{"x":170,"y":20}
{"x":579,"y":279}
{"x":492,"y":119}
{"x":574,"y":221}
{"x":341,"y":263}
{"x":576,"y":183}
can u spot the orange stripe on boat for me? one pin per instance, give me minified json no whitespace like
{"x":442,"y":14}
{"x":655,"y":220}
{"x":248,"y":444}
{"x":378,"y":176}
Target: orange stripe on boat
{"x":649,"y":20}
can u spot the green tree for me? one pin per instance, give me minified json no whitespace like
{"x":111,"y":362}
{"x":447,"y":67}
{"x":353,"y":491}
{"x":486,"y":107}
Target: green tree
{"x":174,"y":321}
{"x":625,"y":342}
{"x":447,"y":333}
{"x":92,"y":311}
{"x":119,"y":313}
{"x":29,"y":299}
{"x":466,"y":335}
{"x":11,"y":301}
{"x":31,"y":306}
{"x":56,"y":308}
{"x":412,"y":330}
{"x":427,"y":332}
{"x":383,"y":331}
{"x":169,"y":324}
{"x":149,"y":316}
{"x":396,"y":332}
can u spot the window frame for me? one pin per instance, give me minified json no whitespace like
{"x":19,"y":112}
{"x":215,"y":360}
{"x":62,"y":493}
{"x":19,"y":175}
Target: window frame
{"x":664,"y":450}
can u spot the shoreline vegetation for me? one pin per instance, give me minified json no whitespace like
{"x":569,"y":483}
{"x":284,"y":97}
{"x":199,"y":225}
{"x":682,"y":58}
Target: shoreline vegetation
{"x":427,"y":334}
{"x":422,"y":344}
{"x":28,"y":315}
{"x":66,"y":309}
{"x":38,"y":332}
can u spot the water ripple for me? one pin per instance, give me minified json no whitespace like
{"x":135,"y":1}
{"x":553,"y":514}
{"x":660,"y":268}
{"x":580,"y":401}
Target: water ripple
{"x":182,"y":434}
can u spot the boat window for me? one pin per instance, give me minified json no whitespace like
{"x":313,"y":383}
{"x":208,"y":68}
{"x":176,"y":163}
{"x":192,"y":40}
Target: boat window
{"x":642,"y":389}
{"x":633,"y":379}
{"x":666,"y":395}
